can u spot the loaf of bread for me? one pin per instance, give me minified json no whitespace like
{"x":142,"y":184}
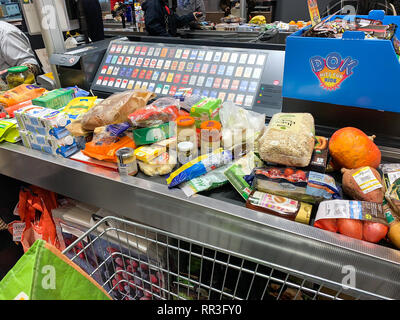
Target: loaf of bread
{"x":116,"y":108}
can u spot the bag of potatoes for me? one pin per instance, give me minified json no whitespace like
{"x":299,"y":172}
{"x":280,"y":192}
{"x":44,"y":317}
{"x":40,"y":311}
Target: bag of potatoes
{"x":116,"y":108}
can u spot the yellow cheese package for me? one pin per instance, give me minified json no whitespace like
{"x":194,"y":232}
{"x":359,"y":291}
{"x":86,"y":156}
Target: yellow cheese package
{"x":148,"y":153}
{"x":159,"y":166}
{"x":79,"y":106}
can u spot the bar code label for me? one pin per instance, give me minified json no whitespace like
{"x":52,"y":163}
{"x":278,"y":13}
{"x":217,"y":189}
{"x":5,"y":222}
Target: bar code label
{"x":18,"y":229}
{"x":366,"y":180}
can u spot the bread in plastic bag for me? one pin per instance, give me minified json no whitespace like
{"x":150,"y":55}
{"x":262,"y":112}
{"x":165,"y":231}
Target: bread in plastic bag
{"x":20,"y":94}
{"x":288,"y":140}
{"x":116,"y":108}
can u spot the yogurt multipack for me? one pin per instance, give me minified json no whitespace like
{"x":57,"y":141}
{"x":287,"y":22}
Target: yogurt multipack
{"x":65,"y":146}
{"x":43,"y":121}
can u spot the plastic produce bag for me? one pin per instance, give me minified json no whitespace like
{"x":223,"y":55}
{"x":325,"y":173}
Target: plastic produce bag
{"x":356,"y":219}
{"x":288,"y":139}
{"x":240,"y":125}
{"x":152,"y":115}
{"x":104,"y":146}
{"x":40,"y":274}
{"x":116,"y":108}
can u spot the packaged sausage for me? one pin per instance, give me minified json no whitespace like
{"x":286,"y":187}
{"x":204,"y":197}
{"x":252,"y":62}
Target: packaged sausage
{"x":280,"y":206}
{"x":308,"y":186}
{"x":288,"y":140}
{"x":357,"y":219}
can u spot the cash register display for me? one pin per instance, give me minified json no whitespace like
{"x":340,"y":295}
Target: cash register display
{"x":237,"y":75}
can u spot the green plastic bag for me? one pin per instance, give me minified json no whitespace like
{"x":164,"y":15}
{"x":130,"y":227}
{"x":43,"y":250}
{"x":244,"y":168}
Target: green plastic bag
{"x":9,"y":131}
{"x":44,"y":273}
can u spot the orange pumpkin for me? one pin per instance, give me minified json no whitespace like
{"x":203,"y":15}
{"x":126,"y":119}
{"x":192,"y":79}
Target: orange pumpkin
{"x":351,"y":148}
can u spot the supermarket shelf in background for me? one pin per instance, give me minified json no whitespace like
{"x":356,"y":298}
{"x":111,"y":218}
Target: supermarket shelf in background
{"x":220,"y":220}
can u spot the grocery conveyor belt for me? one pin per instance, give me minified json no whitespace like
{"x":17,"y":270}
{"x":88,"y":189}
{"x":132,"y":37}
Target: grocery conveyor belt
{"x":208,"y":35}
{"x":219,"y":219}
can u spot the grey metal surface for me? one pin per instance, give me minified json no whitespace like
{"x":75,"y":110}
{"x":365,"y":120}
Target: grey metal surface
{"x":216,"y":222}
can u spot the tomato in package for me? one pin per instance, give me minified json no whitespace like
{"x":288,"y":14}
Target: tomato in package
{"x":356,"y":219}
{"x":152,"y":116}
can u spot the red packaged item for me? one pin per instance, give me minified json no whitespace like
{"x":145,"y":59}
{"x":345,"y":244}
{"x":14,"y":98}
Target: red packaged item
{"x":153,"y":116}
{"x":356,"y":219}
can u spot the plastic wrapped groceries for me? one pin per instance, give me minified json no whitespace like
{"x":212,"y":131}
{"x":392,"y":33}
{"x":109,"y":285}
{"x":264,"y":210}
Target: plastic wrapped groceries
{"x":20,"y":94}
{"x":288,"y":139}
{"x":152,"y":115}
{"x":116,"y":108}
{"x":209,"y":181}
{"x":240,"y":125}
{"x":199,"y":166}
{"x":357,"y":219}
{"x":280,"y":206}
{"x":307,"y":186}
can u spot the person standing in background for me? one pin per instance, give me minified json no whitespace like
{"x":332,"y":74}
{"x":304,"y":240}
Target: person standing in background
{"x":15,"y":49}
{"x":185,"y":7}
{"x":226,"y":6}
{"x":94,"y":19}
{"x":161,"y":20}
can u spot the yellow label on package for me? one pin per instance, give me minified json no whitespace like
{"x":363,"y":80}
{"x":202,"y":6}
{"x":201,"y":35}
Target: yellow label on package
{"x":314,"y":12}
{"x":148,"y":153}
{"x":78,"y":106}
{"x":366,"y":180}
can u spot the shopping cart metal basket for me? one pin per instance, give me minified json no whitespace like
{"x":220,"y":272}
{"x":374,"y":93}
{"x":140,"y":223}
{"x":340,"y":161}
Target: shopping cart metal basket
{"x":133,"y":261}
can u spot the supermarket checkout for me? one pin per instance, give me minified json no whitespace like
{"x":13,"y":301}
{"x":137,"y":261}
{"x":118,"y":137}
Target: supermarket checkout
{"x":161,"y":20}
{"x":15,"y":50}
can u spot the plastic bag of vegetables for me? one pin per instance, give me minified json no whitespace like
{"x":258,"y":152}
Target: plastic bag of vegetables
{"x":356,"y":219}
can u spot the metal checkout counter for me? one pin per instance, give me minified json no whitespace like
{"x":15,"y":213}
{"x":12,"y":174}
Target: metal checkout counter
{"x":253,"y":75}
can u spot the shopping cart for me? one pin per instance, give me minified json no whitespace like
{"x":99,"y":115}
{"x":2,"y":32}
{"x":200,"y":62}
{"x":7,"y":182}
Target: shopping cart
{"x":132,"y":261}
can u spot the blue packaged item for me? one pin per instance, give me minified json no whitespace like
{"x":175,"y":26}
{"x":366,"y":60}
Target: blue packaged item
{"x":118,"y":129}
{"x":199,"y":166}
{"x":79,"y":92}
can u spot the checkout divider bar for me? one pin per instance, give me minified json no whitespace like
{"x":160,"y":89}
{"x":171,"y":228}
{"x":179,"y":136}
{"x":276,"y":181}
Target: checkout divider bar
{"x":311,"y":252}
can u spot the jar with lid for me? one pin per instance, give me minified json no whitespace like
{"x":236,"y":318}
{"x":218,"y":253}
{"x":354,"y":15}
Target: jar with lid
{"x":210,"y":136}
{"x":185,"y":152}
{"x":19,"y":75}
{"x":186,"y":131}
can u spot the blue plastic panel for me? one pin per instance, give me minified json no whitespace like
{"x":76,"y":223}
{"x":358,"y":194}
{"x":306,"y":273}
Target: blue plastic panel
{"x":352,"y":71}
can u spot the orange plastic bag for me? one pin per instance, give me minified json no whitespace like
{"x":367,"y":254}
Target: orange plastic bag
{"x":20,"y":94}
{"x":34,"y":208}
{"x":105,"y":150}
